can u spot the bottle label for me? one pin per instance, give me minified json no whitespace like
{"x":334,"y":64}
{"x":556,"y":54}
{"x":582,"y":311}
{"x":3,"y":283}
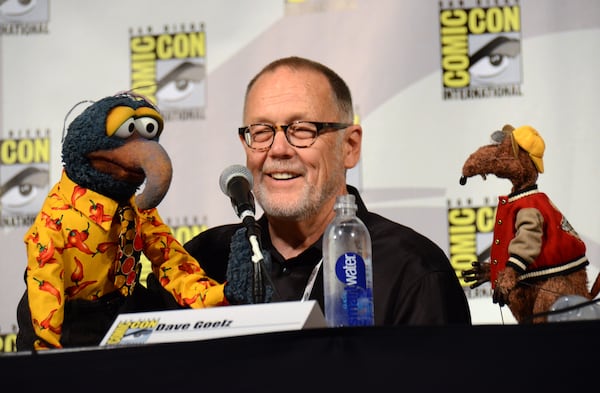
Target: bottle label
{"x":357,"y":298}
{"x":350,"y":270}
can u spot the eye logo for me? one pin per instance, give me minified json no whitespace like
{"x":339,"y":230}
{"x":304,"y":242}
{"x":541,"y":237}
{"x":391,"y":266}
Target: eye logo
{"x":495,"y":62}
{"x":16,"y":8}
{"x":179,"y":83}
{"x":24,"y":17}
{"x":24,"y":177}
{"x":21,"y":189}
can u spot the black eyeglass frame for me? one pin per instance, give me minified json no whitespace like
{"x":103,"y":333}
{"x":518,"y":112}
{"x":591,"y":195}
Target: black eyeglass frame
{"x":321,"y":127}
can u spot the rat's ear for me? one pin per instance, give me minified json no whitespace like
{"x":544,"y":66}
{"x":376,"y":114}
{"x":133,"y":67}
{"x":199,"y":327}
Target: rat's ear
{"x":508,"y":128}
{"x":515,"y":145}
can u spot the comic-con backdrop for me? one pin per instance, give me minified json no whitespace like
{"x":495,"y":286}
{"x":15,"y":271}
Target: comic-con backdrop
{"x":431,"y":81}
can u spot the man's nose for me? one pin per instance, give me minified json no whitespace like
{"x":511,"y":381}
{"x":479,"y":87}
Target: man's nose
{"x":280,"y":142}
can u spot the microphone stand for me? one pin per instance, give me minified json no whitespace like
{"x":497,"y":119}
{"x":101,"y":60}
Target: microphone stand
{"x":253,"y":234}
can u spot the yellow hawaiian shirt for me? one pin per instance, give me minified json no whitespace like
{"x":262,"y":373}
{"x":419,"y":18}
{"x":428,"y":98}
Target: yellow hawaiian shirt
{"x":73,"y":253}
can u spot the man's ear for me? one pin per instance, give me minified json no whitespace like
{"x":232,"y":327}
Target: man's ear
{"x":243,"y":141}
{"x":353,"y":143}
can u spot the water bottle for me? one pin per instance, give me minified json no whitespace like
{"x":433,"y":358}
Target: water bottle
{"x":347,"y":268}
{"x":577,"y":308}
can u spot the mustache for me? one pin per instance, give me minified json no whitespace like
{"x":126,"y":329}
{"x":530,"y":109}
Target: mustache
{"x":283,"y":167}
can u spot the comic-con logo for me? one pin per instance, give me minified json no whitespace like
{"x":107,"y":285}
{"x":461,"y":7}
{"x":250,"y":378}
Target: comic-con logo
{"x":170,"y":69}
{"x":24,"y":178}
{"x":22,"y":17}
{"x":470,"y":235}
{"x":480,"y":50}
{"x":132,"y":331}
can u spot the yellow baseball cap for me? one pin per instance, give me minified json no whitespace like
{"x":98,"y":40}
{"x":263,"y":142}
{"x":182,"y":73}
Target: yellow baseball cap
{"x":531,"y":141}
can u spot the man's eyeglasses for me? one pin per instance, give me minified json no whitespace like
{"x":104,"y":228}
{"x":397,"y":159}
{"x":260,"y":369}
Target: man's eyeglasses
{"x":260,"y":136}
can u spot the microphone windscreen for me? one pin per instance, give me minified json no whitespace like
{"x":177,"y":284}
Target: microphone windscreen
{"x":232,"y":172}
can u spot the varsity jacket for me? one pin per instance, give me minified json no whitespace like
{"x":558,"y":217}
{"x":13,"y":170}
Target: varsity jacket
{"x":532,"y":236}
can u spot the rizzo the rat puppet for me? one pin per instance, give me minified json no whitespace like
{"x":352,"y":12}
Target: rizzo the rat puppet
{"x":83,"y":248}
{"x":536,"y":256}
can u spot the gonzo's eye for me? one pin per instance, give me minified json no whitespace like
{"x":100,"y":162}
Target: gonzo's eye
{"x":126,"y":129}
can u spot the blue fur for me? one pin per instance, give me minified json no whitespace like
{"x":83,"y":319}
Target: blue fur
{"x":87,"y":133}
{"x":238,"y":289}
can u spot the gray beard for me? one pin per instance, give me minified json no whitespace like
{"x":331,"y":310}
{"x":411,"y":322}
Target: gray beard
{"x":305,"y":207}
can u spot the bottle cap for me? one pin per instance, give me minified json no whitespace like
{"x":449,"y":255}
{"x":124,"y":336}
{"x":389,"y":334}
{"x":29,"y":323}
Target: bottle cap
{"x":345,"y":201}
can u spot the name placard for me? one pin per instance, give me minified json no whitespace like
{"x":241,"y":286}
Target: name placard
{"x":215,"y":322}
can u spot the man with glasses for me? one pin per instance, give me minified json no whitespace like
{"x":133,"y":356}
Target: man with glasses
{"x":300,"y":139}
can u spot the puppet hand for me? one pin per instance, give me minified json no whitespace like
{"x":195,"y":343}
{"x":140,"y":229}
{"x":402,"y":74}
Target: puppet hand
{"x":507,"y":280}
{"x":480,"y":273}
{"x":240,"y":271}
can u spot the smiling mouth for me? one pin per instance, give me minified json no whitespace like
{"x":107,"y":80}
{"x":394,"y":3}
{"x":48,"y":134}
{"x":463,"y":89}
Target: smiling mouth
{"x":283,"y":176}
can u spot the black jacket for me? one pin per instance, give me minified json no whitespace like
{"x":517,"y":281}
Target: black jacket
{"x":413,"y":281}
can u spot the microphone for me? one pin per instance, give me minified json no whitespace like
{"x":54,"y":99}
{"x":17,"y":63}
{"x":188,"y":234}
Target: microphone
{"x":236,"y":182}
